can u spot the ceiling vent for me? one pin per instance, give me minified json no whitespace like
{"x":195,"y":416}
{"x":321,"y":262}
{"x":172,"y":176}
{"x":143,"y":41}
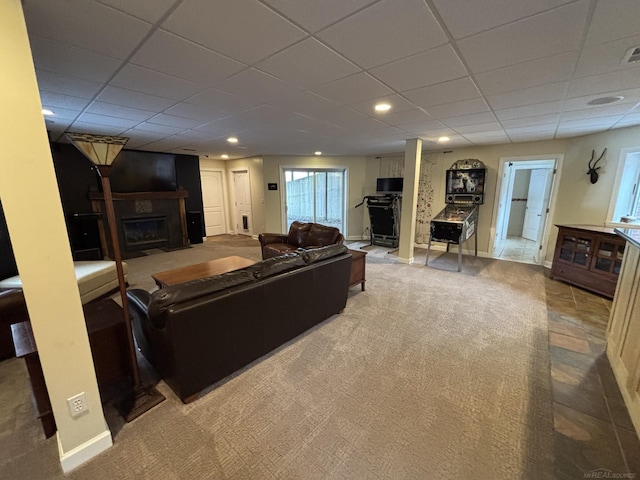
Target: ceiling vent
{"x":632,"y":55}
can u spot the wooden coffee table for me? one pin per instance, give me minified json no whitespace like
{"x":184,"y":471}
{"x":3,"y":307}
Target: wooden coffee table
{"x":200,"y":270}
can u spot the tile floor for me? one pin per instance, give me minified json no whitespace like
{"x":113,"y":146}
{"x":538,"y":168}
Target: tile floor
{"x":593,"y":430}
{"x":515,"y":249}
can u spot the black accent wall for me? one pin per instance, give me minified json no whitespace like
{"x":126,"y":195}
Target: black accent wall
{"x":76,"y":177}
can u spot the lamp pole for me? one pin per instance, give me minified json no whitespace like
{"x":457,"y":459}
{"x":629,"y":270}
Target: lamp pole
{"x":102,"y":151}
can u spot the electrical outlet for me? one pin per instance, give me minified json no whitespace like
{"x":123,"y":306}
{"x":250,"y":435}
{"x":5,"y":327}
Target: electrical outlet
{"x":78,"y":404}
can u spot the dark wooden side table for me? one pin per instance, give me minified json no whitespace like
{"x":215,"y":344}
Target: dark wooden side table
{"x":358,"y":267}
{"x":108,"y":341}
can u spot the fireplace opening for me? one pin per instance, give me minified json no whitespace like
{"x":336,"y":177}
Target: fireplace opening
{"x":144,"y":232}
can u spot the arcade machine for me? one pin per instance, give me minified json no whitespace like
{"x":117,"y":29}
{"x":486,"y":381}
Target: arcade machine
{"x":459,"y":219}
{"x":384,"y":212}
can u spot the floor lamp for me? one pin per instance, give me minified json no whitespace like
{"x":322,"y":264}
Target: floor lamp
{"x":102,"y":150}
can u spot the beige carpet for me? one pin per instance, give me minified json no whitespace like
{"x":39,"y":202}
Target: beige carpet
{"x":428,"y":374}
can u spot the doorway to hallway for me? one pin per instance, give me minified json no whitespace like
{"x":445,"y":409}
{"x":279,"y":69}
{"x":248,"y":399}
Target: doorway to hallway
{"x":520,"y":222}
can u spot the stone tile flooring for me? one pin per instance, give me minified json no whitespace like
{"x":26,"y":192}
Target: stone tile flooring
{"x":593,"y":430}
{"x":515,"y":249}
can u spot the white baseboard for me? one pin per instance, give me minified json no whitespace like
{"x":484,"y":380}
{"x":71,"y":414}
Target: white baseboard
{"x":85,"y":452}
{"x":547,"y":264}
{"x":406,"y":261}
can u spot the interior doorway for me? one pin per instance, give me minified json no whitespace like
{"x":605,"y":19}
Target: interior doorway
{"x":521,"y":224}
{"x":241,"y":194}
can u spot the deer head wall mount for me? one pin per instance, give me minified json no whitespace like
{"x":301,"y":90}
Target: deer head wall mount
{"x":593,"y":169}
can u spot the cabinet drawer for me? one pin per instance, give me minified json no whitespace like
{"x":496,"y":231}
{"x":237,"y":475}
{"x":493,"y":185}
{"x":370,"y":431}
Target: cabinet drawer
{"x":602,"y":284}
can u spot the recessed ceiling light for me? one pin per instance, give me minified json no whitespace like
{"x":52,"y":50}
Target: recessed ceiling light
{"x":224,"y":156}
{"x":46,"y":111}
{"x":605,"y":100}
{"x":382,"y":107}
{"x":443,"y":139}
{"x":232,"y":140}
{"x":318,"y":152}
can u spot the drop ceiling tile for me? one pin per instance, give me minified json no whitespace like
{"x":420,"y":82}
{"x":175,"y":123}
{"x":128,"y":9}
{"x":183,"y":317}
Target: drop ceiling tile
{"x":57,"y":100}
{"x":606,"y":57}
{"x":548,"y":128}
{"x":116,"y":34}
{"x":258,"y":87}
{"x":384,"y":32}
{"x":456,"y":109}
{"x":148,"y":11}
{"x":529,"y":110}
{"x":96,"y":128}
{"x":308,"y":64}
{"x":476,"y":127}
{"x":61,"y":114}
{"x":196,"y":135}
{"x":589,"y":122}
{"x":398,"y":104}
{"x":419,"y":128}
{"x":528,"y":96}
{"x":224,"y":25}
{"x":106,"y":120}
{"x":446,"y":92}
{"x":577,"y":131}
{"x":536,"y":120}
{"x":143,"y":80}
{"x":473,"y":119}
{"x":102,"y":108}
{"x":406,"y":117}
{"x":597,"y":111}
{"x":174,"y":121}
{"x":482,"y":138}
{"x":72,"y":61}
{"x":605,"y":83}
{"x":313,"y":15}
{"x":187,"y":60}
{"x":427,"y":68}
{"x":353,"y":89}
{"x":201,"y":113}
{"x":139,"y":100}
{"x":155,"y":128}
{"x":218,"y":129}
{"x":222,"y":103}
{"x":517,"y":42}
{"x":66,"y":85}
{"x":613,"y":19}
{"x":553,"y":69}
{"x":464,"y":18}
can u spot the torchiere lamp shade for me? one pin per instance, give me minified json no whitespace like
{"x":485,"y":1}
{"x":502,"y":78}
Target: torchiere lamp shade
{"x":100,"y":149}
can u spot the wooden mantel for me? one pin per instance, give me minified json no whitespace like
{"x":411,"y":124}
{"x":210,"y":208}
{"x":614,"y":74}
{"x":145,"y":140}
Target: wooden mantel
{"x":97,"y":198}
{"x":178,"y":194}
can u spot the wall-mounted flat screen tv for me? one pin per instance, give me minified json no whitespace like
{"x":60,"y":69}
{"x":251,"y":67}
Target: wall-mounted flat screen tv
{"x":389,"y":185}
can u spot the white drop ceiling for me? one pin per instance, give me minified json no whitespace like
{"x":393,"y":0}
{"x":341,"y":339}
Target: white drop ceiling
{"x":293,"y":77}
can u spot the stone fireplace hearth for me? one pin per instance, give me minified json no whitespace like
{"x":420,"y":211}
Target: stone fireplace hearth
{"x":145,"y":220}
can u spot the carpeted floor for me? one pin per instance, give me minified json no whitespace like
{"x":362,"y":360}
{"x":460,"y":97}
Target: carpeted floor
{"x":429,"y":373}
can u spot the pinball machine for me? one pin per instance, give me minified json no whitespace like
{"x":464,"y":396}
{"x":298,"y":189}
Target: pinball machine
{"x":458,"y":221}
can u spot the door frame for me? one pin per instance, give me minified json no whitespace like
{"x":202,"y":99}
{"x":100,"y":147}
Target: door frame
{"x":525,"y":162}
{"x":232,"y":189}
{"x":225,"y":197}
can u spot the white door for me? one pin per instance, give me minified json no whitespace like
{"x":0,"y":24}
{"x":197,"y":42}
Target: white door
{"x":242,"y":201}
{"x":213,"y":202}
{"x":537,"y":201}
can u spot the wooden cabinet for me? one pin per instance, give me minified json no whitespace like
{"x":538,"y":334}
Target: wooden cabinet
{"x":358,"y":267}
{"x":589,"y":257}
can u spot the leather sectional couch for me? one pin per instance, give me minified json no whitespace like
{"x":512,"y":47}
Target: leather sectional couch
{"x":197,"y":333}
{"x":301,"y":235}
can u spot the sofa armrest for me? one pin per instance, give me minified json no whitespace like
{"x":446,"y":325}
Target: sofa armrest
{"x":13,"y":308}
{"x":339,"y":239}
{"x":267,"y":238}
{"x":140,"y":322}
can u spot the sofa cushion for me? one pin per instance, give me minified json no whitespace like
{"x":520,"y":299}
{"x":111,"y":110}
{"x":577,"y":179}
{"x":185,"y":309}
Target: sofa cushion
{"x":321,"y":235}
{"x":275,"y":265}
{"x":317,"y":254}
{"x":298,"y":233}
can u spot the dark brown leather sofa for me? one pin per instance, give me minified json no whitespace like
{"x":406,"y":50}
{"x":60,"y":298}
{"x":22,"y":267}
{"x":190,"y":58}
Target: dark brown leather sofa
{"x":199,"y":332}
{"x":301,"y":235}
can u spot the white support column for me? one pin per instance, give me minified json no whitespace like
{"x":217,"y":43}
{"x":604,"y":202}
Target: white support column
{"x":31,"y":202}
{"x":412,"y":155}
